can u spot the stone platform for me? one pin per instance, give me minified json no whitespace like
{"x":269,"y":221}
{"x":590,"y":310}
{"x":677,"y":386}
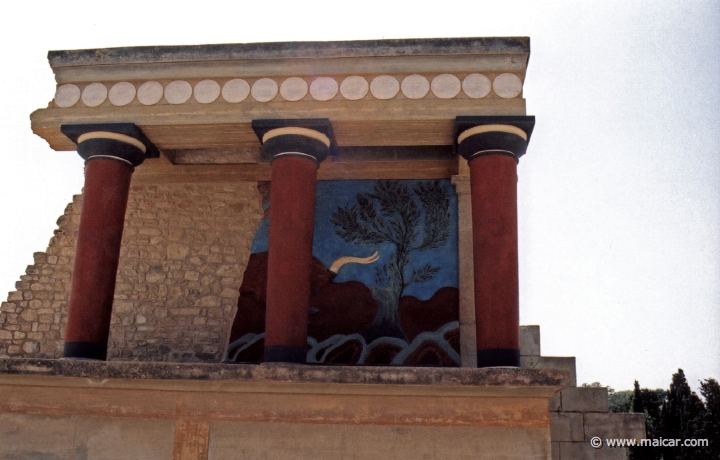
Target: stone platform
{"x":86,"y":409}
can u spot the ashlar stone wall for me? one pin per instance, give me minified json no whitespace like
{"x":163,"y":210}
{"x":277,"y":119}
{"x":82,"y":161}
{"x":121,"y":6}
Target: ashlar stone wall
{"x":184,"y":250}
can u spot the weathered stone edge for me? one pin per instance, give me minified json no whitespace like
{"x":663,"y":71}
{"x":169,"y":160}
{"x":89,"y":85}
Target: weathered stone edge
{"x":506,"y":377}
{"x":282,"y":50}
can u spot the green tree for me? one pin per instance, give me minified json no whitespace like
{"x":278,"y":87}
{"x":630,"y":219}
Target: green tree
{"x":681,"y":418}
{"x":649,"y":403}
{"x":710,"y":423}
{"x":392,"y":213}
{"x":620,"y":401}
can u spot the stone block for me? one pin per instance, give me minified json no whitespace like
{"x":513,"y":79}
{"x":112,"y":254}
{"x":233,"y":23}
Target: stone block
{"x":566,"y":426}
{"x":582,"y":399}
{"x":529,"y":340}
{"x":555,"y":450}
{"x":614,"y":425}
{"x":554,"y":403}
{"x":529,"y":362}
{"x":468,"y":345}
{"x":565,"y":363}
{"x":584,"y":451}
{"x":15,"y":295}
{"x":69,"y":437}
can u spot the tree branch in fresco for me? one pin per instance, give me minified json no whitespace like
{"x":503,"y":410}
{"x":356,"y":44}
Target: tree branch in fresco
{"x":390,"y":213}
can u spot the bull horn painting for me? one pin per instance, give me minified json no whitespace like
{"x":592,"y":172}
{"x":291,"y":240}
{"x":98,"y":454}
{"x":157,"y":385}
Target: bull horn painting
{"x":353,"y":260}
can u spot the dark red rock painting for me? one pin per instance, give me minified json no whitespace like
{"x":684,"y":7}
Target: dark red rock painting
{"x":340,"y":314}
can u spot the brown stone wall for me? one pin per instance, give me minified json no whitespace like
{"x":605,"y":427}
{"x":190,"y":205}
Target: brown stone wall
{"x":184,"y":250}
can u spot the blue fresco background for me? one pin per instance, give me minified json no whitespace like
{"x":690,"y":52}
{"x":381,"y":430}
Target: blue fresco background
{"x":328,"y":246}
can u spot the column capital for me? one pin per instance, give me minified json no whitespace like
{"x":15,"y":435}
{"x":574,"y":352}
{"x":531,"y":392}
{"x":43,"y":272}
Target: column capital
{"x":310,"y":138}
{"x":122,"y":142}
{"x":492,"y":135}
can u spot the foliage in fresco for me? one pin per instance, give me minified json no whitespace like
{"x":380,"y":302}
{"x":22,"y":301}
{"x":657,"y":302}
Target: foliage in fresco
{"x":393,"y":213}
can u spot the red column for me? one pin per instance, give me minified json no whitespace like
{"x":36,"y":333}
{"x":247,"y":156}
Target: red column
{"x":492,"y":146}
{"x":493,"y":188}
{"x":295,"y":149}
{"x":111,"y":152}
{"x":105,"y":195}
{"x":292,"y":214}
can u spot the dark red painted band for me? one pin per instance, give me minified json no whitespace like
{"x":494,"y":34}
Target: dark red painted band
{"x":292,"y":214}
{"x":105,"y":196}
{"x":493,"y":186}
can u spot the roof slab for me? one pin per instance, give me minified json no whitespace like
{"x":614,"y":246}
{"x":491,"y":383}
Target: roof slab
{"x":197,"y":103}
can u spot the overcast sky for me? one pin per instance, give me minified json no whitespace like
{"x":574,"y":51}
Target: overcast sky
{"x":619,"y":200}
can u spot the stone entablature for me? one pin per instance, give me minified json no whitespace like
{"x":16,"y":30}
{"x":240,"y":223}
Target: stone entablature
{"x":384,"y":92}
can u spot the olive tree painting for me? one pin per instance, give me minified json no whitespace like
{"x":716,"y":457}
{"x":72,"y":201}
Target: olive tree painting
{"x":393,"y":212}
{"x":384,"y":277}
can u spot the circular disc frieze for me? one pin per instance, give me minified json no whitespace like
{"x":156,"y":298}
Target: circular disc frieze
{"x":384,"y":87}
{"x":264,"y":90}
{"x":323,"y":88}
{"x":206,"y":91}
{"x":354,"y":88}
{"x":236,"y":90}
{"x":150,"y":93}
{"x":67,"y":95}
{"x":476,"y":85}
{"x":445,"y":86}
{"x":178,"y":92}
{"x":122,"y":93}
{"x":293,"y":89}
{"x":94,"y":94}
{"x":415,"y":86}
{"x":507,"y":85}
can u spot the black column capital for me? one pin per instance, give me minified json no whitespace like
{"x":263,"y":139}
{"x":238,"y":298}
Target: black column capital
{"x":122,"y":142}
{"x":311,"y":138}
{"x":492,"y":135}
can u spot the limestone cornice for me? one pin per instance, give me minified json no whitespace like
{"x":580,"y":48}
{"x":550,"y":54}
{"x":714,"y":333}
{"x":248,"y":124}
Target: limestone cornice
{"x":378,"y":92}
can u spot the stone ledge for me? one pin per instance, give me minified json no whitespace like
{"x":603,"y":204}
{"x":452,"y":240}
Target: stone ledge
{"x":336,"y":49}
{"x":286,"y":373}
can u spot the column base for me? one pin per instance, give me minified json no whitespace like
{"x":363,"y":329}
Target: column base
{"x":497,"y":357}
{"x":85,"y":350}
{"x":285,"y":354}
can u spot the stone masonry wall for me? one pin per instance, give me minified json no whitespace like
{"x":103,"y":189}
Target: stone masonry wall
{"x":183,"y":254}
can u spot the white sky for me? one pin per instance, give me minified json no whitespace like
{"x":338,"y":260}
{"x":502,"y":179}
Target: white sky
{"x":619,"y":199}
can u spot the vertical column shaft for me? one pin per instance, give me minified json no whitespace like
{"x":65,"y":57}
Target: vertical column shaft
{"x":295,"y":149}
{"x":292,"y":215}
{"x":493,"y":183}
{"x":468,"y":333}
{"x":492,"y":151}
{"x":105,"y":195}
{"x":111,"y":152}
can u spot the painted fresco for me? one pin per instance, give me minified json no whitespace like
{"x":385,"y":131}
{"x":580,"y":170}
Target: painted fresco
{"x":384,"y":277}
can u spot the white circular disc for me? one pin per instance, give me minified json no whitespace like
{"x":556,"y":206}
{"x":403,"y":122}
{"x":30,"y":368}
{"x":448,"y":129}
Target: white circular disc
{"x":122,"y":93}
{"x":323,"y":88}
{"x":384,"y":87}
{"x":67,"y":95}
{"x":94,"y":94}
{"x":264,"y":90}
{"x":178,"y":92}
{"x":476,"y":85}
{"x":150,"y":93}
{"x":293,"y":89}
{"x":445,"y":86}
{"x":507,"y":85}
{"x":415,"y":86}
{"x":354,"y":88}
{"x":206,"y":91}
{"x":235,"y":90}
